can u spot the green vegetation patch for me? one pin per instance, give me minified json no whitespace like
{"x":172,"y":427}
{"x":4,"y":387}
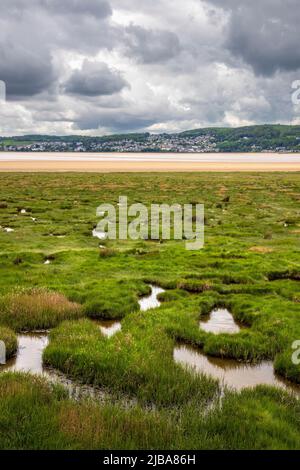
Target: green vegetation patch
{"x":138,"y":361}
{"x":36,"y":309}
{"x":35,"y":415}
{"x":113,"y":299}
{"x":250,"y":264}
{"x":10,"y":340}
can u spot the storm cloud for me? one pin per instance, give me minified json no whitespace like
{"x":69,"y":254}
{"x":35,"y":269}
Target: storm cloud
{"x":151,"y":46}
{"x":101,"y":66}
{"x":94,"y":79}
{"x":264,"y":33}
{"x":25,"y":73}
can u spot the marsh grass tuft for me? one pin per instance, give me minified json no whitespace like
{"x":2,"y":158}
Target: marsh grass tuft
{"x":10,"y":340}
{"x":107,"y":253}
{"x":36,"y":309}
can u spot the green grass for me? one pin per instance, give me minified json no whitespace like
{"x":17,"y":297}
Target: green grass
{"x":10,"y":340}
{"x":250,"y":264}
{"x":115,"y":299}
{"x":138,"y":361}
{"x":35,"y":415}
{"x":36,"y":309}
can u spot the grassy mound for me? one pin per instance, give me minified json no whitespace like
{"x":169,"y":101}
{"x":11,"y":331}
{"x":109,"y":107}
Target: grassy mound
{"x":137,"y":361}
{"x":36,"y":309}
{"x":113,"y":299}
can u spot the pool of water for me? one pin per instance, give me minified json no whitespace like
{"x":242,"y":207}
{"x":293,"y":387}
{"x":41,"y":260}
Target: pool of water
{"x":109,"y":327}
{"x":231,"y":373}
{"x":151,"y":301}
{"x":220,"y":321}
{"x":30,"y":353}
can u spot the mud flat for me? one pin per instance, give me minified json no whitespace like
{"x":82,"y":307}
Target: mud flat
{"x":142,"y":162}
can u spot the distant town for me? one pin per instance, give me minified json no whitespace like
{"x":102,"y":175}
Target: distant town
{"x":265,"y":138}
{"x":151,"y":143}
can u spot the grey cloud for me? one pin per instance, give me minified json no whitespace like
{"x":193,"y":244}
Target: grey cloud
{"x":32,"y":36}
{"x":99,"y":8}
{"x":205,"y":60}
{"x":116,"y":121}
{"x":95,"y":79}
{"x":264,"y":33}
{"x":151,"y":46}
{"x":25,"y":72}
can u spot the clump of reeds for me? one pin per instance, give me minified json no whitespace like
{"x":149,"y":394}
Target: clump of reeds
{"x":36,"y":309}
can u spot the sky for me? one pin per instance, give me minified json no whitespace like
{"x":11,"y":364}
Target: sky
{"x":98,"y":67}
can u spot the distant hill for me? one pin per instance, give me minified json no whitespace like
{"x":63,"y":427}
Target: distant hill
{"x":260,"y":138}
{"x":242,"y":139}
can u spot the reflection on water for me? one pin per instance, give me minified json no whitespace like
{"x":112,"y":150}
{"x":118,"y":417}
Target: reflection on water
{"x":109,"y":327}
{"x":230,"y":372}
{"x":219,"y":321}
{"x":30,"y":354}
{"x":151,"y":301}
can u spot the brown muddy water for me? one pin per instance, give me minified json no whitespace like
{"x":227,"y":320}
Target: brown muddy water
{"x":231,"y":373}
{"x":219,"y":321}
